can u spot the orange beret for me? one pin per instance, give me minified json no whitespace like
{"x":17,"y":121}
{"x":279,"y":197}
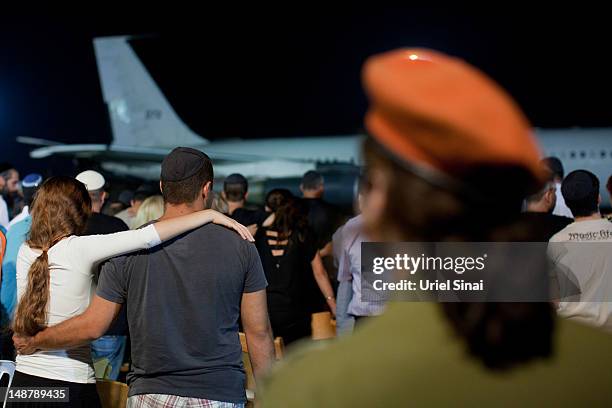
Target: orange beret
{"x":438,"y":111}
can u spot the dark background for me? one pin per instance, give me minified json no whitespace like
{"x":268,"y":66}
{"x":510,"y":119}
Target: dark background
{"x":287,"y":73}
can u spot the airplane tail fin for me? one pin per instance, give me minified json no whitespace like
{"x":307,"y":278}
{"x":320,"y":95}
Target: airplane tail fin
{"x":140,"y":113}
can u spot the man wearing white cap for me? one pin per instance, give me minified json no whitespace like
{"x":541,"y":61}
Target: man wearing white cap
{"x":108,"y":350}
{"x":99,"y":223}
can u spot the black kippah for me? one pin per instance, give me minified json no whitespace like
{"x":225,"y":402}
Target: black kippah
{"x":182,"y":163}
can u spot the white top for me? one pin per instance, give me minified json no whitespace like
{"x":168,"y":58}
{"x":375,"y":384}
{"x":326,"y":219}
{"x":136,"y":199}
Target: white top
{"x":561,"y":208}
{"x":4,"y":217}
{"x":20,"y":217}
{"x":587,"y":255}
{"x":72,"y":263}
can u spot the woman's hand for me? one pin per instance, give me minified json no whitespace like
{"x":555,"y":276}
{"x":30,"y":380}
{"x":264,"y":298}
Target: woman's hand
{"x":332,"y":306}
{"x":221,"y":219}
{"x":23,"y":344}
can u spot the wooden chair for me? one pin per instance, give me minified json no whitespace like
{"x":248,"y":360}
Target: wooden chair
{"x":113,"y":394}
{"x":279,"y":346}
{"x":323,"y":327}
{"x":279,"y":349}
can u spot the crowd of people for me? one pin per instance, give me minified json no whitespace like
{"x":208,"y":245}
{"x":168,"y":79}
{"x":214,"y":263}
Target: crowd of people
{"x":179,"y":270}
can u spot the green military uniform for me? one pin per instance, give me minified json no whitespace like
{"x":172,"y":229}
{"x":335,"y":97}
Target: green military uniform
{"x":410,"y":357}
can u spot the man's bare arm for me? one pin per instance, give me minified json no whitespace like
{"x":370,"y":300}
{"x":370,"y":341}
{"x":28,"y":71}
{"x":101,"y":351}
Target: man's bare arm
{"x":256,"y":324}
{"x":82,"y":329}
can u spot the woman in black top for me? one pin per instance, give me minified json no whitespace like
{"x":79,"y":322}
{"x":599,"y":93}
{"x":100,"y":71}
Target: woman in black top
{"x":290,"y":258}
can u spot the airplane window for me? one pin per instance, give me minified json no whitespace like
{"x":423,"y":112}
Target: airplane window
{"x":603,"y":154}
{"x":582,"y":154}
{"x":573,"y":155}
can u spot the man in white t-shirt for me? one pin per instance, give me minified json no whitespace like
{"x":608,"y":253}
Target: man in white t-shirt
{"x":582,"y":251}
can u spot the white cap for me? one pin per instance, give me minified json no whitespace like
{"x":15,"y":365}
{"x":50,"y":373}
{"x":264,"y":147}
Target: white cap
{"x":92,"y":179}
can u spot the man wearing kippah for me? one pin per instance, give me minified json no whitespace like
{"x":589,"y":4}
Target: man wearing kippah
{"x":109,"y":350}
{"x":582,"y":248}
{"x":184,"y":299}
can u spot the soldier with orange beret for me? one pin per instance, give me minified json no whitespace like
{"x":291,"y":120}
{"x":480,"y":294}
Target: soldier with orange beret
{"x":449,"y":157}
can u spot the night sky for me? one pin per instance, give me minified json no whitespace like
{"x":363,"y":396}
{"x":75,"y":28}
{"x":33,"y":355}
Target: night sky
{"x":259,"y":75}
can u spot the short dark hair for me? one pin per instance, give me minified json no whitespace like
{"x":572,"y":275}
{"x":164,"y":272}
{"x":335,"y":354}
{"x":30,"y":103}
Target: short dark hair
{"x":554,"y":165}
{"x":311,"y":180}
{"x":186,"y":191}
{"x":234,"y":192}
{"x":580,"y":191}
{"x":548,"y":185}
{"x":235,"y":187}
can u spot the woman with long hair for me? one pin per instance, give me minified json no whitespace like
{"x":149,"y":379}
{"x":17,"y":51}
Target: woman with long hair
{"x":54,"y":278}
{"x":291,"y":261}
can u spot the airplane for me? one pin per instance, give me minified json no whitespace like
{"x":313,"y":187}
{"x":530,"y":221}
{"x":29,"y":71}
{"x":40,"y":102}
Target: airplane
{"x":146,"y":128}
{"x":581,"y":148}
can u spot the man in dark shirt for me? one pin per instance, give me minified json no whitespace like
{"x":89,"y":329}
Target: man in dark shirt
{"x":108,"y":351}
{"x":235,"y":193}
{"x":323,"y":219}
{"x":184,"y":300}
{"x":538,"y":213}
{"x":99,"y":223}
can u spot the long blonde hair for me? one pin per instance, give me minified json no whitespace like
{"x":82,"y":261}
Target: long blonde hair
{"x":60,"y":209}
{"x":151,"y":209}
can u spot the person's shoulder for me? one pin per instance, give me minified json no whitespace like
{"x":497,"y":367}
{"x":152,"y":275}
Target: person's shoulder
{"x":118,"y":262}
{"x":214,"y":232}
{"x":20,"y":227}
{"x":27,"y":254}
{"x":355,"y":222}
{"x":561,"y":220}
{"x":311,"y":372}
{"x":563,"y":234}
{"x":114,"y":222}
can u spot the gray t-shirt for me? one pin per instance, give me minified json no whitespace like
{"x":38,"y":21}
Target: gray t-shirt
{"x":183,"y":304}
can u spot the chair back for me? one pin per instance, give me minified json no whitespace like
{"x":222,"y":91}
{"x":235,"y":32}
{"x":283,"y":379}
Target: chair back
{"x":279,"y":349}
{"x":279,"y":346}
{"x":323,"y":327}
{"x":7,"y":367}
{"x":113,"y":394}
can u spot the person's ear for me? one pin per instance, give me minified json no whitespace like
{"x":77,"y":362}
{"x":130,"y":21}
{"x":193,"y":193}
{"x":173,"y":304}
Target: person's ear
{"x":206,"y":189}
{"x":161,"y":190}
{"x":246,"y":195}
{"x":223,"y":195}
{"x":301,"y":187}
{"x":598,"y":200}
{"x":103,"y":197}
